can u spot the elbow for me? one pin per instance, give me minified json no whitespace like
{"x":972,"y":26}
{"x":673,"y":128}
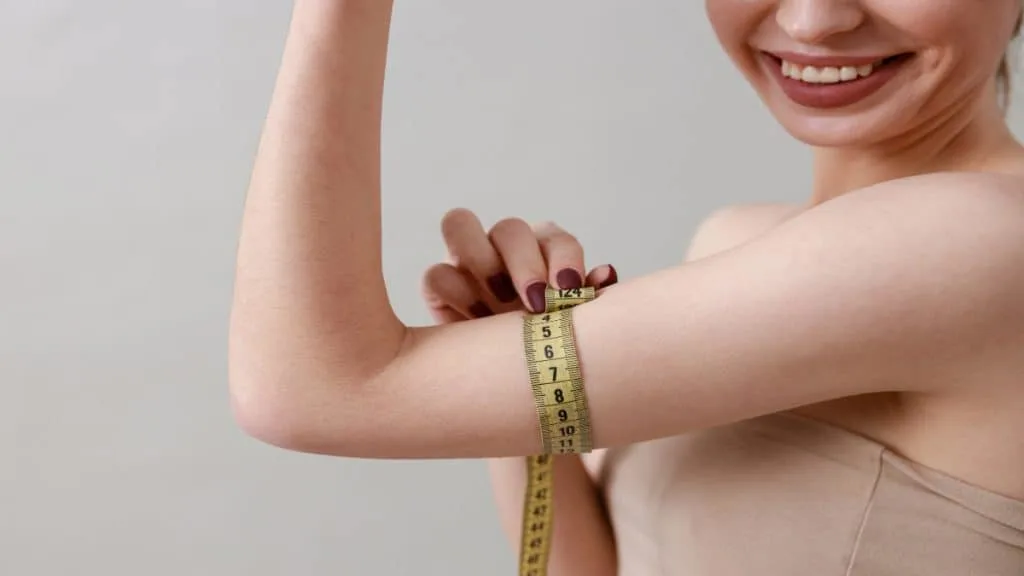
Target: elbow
{"x":296,"y":413}
{"x":309,"y":415}
{"x":268,"y":418}
{"x":303,"y":401}
{"x":262,"y":399}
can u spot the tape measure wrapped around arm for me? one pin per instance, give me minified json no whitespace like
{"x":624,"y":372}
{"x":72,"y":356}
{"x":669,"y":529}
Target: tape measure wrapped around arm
{"x":557,"y":383}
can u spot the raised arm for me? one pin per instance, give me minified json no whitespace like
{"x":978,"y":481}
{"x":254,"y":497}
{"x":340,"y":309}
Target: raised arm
{"x":310,"y":300}
{"x":904,"y":286}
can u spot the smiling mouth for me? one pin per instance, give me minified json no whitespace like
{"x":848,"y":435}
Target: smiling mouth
{"x":832,"y":83}
{"x":834,"y":74}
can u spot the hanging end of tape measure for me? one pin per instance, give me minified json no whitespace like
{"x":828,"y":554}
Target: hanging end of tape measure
{"x":538,"y":513}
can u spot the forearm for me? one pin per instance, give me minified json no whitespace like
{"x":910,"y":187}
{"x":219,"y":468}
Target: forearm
{"x":582,"y":539}
{"x":310,"y":294}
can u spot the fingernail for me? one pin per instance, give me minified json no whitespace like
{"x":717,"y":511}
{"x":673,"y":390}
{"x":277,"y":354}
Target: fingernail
{"x":569,"y":279}
{"x":502,"y":287}
{"x":613,"y":277}
{"x":535,"y":295}
{"x":480,"y":310}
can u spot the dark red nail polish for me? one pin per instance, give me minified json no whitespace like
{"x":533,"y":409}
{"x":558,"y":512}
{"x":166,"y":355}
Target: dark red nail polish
{"x":569,"y":279}
{"x":613,"y":277}
{"x":502,"y":287}
{"x":535,"y":296}
{"x":480,"y":310}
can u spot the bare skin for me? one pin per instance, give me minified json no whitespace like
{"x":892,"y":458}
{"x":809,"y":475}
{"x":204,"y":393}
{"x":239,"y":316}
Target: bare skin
{"x":892,"y":419}
{"x":890,"y":304}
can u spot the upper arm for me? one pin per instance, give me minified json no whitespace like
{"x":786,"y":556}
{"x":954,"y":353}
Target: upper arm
{"x":892,"y":288}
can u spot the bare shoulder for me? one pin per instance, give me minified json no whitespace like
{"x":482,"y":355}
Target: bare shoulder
{"x":982,"y":210}
{"x":966,"y":186}
{"x":735,"y":224}
{"x":975,"y":214}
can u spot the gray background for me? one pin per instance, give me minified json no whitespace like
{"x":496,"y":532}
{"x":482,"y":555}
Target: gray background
{"x":127,"y":131}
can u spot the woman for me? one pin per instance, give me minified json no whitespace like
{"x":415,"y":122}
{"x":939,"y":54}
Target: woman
{"x":832,"y":388}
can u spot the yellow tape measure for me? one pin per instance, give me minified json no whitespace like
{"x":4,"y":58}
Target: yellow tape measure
{"x":557,"y":382}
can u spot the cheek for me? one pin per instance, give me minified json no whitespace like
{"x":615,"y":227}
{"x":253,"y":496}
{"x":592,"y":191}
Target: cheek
{"x":968,"y":35}
{"x":736,"y":23}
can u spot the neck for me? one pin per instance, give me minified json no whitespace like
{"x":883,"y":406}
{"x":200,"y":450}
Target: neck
{"x":969,"y":136}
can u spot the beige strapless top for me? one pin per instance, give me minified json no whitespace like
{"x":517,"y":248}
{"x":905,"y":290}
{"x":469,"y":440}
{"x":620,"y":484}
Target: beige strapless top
{"x":785,"y":495}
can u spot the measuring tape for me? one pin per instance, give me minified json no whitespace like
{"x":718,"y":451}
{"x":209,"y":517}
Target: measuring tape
{"x":554,"y":368}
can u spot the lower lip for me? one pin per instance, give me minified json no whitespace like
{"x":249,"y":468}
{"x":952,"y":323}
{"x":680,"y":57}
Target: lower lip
{"x":835,"y":95}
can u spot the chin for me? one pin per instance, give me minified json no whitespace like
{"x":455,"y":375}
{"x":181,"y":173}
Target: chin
{"x":836,"y":131}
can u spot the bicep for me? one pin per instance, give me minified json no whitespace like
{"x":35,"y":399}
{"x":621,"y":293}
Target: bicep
{"x":840,"y":301}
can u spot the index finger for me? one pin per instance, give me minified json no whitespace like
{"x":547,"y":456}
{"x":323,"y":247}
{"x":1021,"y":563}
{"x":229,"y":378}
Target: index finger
{"x":563,"y":254}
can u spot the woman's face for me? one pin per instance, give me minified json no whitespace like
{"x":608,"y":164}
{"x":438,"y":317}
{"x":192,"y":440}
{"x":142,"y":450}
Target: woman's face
{"x":855,"y":72}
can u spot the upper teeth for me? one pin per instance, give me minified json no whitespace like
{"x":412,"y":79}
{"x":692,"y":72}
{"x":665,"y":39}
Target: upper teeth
{"x":826,"y":75}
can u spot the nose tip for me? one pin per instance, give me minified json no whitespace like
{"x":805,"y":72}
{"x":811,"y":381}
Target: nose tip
{"x":811,"y":21}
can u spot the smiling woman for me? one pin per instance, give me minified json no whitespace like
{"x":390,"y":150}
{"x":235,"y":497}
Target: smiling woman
{"x":879,"y":326}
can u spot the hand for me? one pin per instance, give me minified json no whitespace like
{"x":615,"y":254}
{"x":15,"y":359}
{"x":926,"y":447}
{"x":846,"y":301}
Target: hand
{"x":504,"y":269}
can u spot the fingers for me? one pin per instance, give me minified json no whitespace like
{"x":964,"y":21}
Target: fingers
{"x":492,"y":270}
{"x":602,"y":276}
{"x":563,"y":254}
{"x":471,"y":249}
{"x":451,"y":294}
{"x":518,"y":248}
{"x":445,"y":315}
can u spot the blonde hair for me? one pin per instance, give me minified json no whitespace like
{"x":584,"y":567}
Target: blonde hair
{"x":1003,"y":75}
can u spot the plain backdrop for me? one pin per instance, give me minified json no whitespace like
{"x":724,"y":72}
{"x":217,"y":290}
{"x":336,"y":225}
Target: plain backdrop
{"x":127,"y":133}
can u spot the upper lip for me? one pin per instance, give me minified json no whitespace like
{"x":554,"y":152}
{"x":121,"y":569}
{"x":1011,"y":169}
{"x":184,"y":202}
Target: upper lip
{"x":831,"y":61}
